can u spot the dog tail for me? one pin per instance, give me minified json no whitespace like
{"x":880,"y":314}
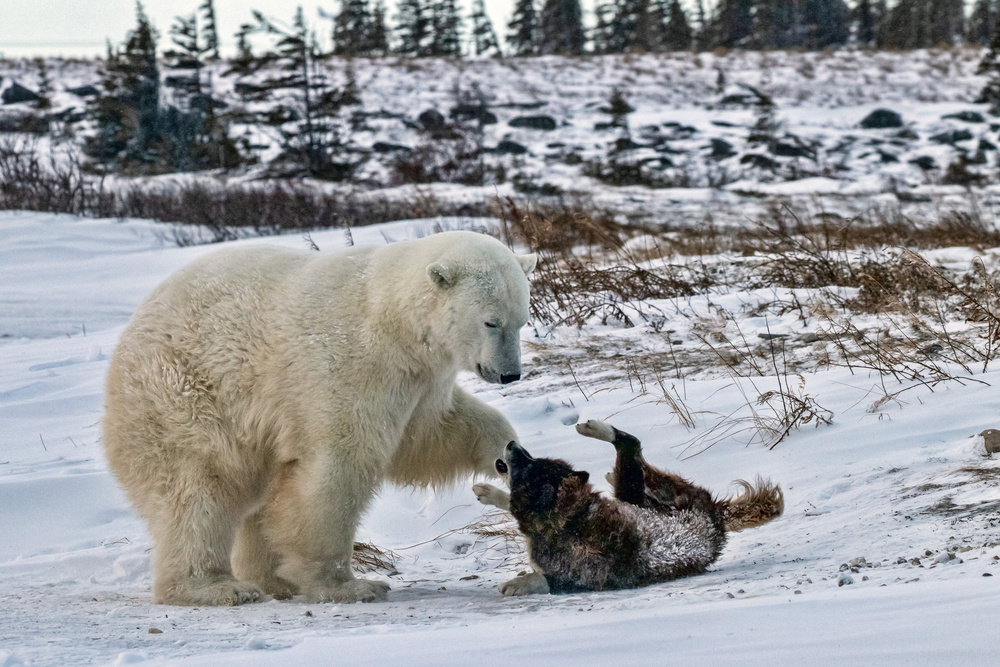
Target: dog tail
{"x":756,"y":505}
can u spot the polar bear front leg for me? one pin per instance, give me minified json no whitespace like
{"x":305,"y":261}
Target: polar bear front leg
{"x":488,"y":494}
{"x":311,"y":520}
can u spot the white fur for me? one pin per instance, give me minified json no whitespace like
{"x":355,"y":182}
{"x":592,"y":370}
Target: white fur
{"x":260,"y":396}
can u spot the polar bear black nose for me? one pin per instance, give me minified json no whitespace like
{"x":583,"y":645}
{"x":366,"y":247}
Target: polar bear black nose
{"x":507,"y":379}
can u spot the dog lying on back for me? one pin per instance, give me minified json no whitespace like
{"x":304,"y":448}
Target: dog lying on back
{"x":658,"y":527}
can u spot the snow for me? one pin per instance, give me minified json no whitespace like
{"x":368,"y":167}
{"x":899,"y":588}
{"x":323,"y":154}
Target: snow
{"x":902,"y":490}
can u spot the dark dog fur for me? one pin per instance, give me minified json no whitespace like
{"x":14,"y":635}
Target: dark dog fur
{"x":658,"y":527}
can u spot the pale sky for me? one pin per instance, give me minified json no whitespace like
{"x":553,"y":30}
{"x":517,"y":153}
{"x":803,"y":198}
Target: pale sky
{"x":80,"y":27}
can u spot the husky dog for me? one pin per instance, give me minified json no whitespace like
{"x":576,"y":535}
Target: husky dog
{"x":658,"y":527}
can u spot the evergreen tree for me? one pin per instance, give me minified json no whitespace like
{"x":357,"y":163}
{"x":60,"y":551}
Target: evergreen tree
{"x":980,"y":27}
{"x":867,"y":22}
{"x":824,"y":23}
{"x":522,"y":35}
{"x":484,"y":38}
{"x":602,"y":36}
{"x":631,"y":28}
{"x":311,"y":137}
{"x":413,"y":28}
{"x":209,"y":30}
{"x":127,"y":113}
{"x":44,"y":85}
{"x":947,"y":25}
{"x":561,"y":28}
{"x":352,"y":28}
{"x":379,"y":37}
{"x":676,"y":34}
{"x":446,"y":23}
{"x":990,"y":66}
{"x":733,"y":22}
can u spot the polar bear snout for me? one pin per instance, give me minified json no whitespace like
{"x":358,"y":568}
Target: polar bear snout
{"x":498,"y":377}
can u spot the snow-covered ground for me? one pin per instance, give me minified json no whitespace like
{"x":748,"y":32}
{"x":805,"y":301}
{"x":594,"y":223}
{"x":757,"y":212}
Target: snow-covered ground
{"x":905,"y":485}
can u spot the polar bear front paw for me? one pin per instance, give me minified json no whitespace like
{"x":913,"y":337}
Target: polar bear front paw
{"x":347,"y":592}
{"x":525,"y":584}
{"x":488,"y":494}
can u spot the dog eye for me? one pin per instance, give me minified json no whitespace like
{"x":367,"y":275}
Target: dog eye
{"x":490,"y":325}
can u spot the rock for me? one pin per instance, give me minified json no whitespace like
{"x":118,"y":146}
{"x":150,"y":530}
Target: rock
{"x":907,"y":134}
{"x":738,"y":99}
{"x":810,"y":337}
{"x":16,"y":93}
{"x":881,"y":119}
{"x":384,"y":147}
{"x":985,"y":145}
{"x":475,"y":112}
{"x":507,"y":147}
{"x":991,"y":437}
{"x":155,"y":631}
{"x":546,"y":123}
{"x":886,"y":158}
{"x":431,"y":120}
{"x":84,"y":91}
{"x":721,"y":149}
{"x":784,"y":149}
{"x":951,"y":138}
{"x":966,"y":116}
{"x":761,"y":161}
{"x":925,"y":162}
{"x":626,"y":144}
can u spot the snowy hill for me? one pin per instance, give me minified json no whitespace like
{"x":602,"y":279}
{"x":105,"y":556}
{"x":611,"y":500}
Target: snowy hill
{"x":697,"y":120}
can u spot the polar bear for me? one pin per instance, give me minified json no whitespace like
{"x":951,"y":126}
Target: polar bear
{"x":259,"y":397}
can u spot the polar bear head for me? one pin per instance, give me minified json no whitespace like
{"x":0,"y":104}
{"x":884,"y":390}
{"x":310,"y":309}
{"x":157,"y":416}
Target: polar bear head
{"x":485,"y":303}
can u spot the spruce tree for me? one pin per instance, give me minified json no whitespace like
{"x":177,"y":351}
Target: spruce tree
{"x":561,"y":28}
{"x":677,"y":34}
{"x":824,"y":23}
{"x":733,"y":22}
{"x":127,"y":113}
{"x":980,"y":26}
{"x":990,"y":66}
{"x":352,"y":28}
{"x":602,"y":36}
{"x":865,"y":19}
{"x":209,"y":30}
{"x":311,"y":137}
{"x":446,"y":23}
{"x":522,"y":35}
{"x":413,"y":28}
{"x":484,"y":38}
{"x":44,"y":85}
{"x":631,"y":29}
{"x":379,"y":35}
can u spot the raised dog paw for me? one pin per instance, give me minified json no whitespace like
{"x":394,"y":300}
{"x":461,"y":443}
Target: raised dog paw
{"x":525,"y":584}
{"x":488,"y":494}
{"x":595,"y":428}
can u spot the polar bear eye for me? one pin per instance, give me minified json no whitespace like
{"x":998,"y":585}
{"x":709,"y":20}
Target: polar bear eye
{"x":490,"y":325}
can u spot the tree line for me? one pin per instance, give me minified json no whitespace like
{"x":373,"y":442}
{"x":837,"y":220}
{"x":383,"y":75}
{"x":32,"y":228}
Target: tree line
{"x":158,"y":112}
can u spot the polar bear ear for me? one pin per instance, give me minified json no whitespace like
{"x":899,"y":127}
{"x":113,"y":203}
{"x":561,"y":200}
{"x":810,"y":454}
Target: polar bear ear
{"x":443,"y":275}
{"x":527,"y":262}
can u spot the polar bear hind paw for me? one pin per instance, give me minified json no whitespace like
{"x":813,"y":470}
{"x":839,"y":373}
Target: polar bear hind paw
{"x":355,"y":590}
{"x":525,"y":584}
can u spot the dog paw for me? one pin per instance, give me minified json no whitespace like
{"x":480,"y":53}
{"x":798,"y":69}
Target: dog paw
{"x":355,"y":590}
{"x":595,"y":428}
{"x":488,"y":494}
{"x":525,"y":584}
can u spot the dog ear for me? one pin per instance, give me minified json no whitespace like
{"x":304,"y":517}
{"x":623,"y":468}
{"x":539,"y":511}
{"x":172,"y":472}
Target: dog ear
{"x":582,"y":475}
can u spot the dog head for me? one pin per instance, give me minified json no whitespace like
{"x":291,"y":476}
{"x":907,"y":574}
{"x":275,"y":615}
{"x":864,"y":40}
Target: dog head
{"x":535,"y":483}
